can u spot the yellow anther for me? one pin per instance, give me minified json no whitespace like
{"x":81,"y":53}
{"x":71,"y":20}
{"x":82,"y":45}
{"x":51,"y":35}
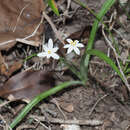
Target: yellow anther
{"x":73,"y":43}
{"x":49,"y":52}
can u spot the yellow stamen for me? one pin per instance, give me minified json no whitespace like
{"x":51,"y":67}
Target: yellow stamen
{"x":73,"y":43}
{"x":49,"y":52}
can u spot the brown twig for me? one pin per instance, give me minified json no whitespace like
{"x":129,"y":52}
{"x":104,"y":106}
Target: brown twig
{"x":20,"y":16}
{"x":77,"y":122}
{"x":58,"y":106}
{"x":24,"y":40}
{"x":7,"y":102}
{"x":97,"y":103}
{"x":116,"y":55}
{"x":53,"y":27}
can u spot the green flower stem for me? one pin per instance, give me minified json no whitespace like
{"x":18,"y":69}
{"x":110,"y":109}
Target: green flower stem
{"x":53,"y":6}
{"x":40,"y":97}
{"x":103,"y":11}
{"x":108,"y":60}
{"x":85,"y":6}
{"x":86,"y":57}
{"x":72,"y":68}
{"x":29,"y":57}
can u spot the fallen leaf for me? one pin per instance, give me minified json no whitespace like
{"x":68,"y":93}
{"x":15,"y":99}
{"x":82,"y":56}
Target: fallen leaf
{"x":26,"y":85}
{"x":1,"y":59}
{"x":68,"y":107}
{"x":19,"y":18}
{"x":11,"y":69}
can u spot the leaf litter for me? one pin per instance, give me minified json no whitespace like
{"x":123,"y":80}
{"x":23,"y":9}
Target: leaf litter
{"x":21,"y":83}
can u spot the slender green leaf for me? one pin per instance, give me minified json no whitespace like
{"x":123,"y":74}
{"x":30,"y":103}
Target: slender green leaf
{"x":106,"y":6}
{"x":86,"y":7}
{"x":53,"y":6}
{"x":72,"y":67}
{"x":85,"y":59}
{"x":127,"y":71}
{"x":108,"y":60}
{"x":40,"y":97}
{"x":126,"y":68}
{"x":29,"y":57}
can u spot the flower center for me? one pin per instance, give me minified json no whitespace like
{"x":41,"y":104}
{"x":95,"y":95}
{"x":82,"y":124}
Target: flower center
{"x":49,"y":52}
{"x":73,"y":43}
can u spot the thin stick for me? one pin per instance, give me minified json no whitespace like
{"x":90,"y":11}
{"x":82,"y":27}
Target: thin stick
{"x":53,"y":27}
{"x":7,"y":42}
{"x":34,"y":32}
{"x":96,"y":104}
{"x":48,"y":128}
{"x":58,"y":106}
{"x":28,"y":42}
{"x":24,"y":40}
{"x":76,"y":122}
{"x":116,"y":55}
{"x":85,"y":6}
{"x":7,"y":102}
{"x":20,"y":16}
{"x":68,"y":4}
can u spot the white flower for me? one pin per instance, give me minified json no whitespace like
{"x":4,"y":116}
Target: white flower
{"x":73,"y":45}
{"x":49,"y":51}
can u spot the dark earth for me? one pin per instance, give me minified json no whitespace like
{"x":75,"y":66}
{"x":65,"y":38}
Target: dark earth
{"x":105,"y":97}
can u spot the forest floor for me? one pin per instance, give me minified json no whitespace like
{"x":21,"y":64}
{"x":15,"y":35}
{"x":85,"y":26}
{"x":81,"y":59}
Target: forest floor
{"x":105,"y":97}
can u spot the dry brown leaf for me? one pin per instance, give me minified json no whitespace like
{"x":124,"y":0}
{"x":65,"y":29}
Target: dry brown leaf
{"x":19,"y":18}
{"x":1,"y":59}
{"x":28,"y":84}
{"x":11,"y":69}
{"x":68,"y":107}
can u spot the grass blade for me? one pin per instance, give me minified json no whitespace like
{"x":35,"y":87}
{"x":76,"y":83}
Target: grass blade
{"x":53,"y":6}
{"x":103,"y":11}
{"x":72,"y":67}
{"x":108,"y":60}
{"x":85,"y":59}
{"x":40,"y":97}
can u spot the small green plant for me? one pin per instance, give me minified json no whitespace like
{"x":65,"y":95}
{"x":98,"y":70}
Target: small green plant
{"x":50,"y":51}
{"x":126,"y":68}
{"x":53,"y":6}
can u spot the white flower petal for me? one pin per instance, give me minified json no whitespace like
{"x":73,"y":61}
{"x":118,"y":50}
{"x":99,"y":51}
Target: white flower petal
{"x":41,"y":54}
{"x":77,"y":51}
{"x":70,"y":49}
{"x":45,"y":47}
{"x":50,"y":43}
{"x":49,"y":51}
{"x":55,"y":56}
{"x":79,"y":45}
{"x":55,"y":49}
{"x":48,"y":56}
{"x":67,"y":45}
{"x":69,"y":40}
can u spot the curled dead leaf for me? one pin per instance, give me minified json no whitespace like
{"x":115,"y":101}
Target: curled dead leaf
{"x":68,"y":107}
{"x":26,"y":85}
{"x":19,"y":18}
{"x":11,"y":69}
